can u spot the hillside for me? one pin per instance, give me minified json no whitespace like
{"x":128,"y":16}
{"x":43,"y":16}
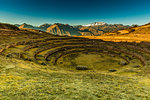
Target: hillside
{"x":102,"y":29}
{"x":133,"y":34}
{"x":39,"y":65}
{"x":26,"y":26}
{"x":44,"y":27}
{"x":27,"y":80}
{"x":90,"y":30}
{"x":62,"y":29}
{"x":143,"y":29}
{"x":8,"y":26}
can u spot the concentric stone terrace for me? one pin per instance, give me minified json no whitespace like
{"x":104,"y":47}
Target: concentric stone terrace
{"x":48,"y":50}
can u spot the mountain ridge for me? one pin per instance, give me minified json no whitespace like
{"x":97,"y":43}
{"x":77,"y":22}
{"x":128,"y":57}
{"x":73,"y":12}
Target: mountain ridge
{"x":94,"y":29}
{"x":62,"y":29}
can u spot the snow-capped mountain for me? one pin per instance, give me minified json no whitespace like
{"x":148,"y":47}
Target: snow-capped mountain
{"x":95,"y":24}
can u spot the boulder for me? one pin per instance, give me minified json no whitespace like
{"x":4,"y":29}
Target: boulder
{"x":123,"y":63}
{"x":29,"y":59}
{"x":112,"y":70}
{"x":43,"y":63}
{"x":9,"y":55}
{"x":136,"y":66}
{"x":82,"y":68}
{"x":13,"y":55}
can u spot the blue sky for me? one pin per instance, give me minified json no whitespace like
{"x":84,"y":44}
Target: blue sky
{"x":75,"y":12}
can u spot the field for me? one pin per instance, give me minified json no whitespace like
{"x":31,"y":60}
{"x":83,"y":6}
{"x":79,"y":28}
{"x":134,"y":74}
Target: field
{"x":35,"y":65}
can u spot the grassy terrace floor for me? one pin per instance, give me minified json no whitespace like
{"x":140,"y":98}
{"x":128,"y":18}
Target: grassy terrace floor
{"x":23,"y":80}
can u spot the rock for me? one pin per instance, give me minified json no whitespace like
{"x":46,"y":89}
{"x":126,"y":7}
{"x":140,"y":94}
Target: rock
{"x":9,"y":55}
{"x":112,"y":70}
{"x":82,"y":68}
{"x":12,"y":55}
{"x":61,"y":62}
{"x":112,"y":55}
{"x":130,"y":58}
{"x":47,"y":59}
{"x":39,"y":55}
{"x":43,"y":63}
{"x":123,"y":63}
{"x":29,"y":59}
{"x":136,"y":66}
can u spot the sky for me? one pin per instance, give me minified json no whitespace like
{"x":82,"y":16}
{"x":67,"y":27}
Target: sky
{"x":75,"y":12}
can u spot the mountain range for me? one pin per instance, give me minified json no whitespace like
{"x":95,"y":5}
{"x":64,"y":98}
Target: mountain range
{"x":41,"y":27}
{"x":63,"y":29}
{"x":94,"y":29}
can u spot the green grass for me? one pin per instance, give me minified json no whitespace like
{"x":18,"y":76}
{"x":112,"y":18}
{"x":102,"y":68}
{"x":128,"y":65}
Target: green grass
{"x":94,"y":61}
{"x":23,"y":80}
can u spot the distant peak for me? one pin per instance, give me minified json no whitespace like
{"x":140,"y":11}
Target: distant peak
{"x":25,"y":24}
{"x":46,"y":25}
{"x":95,"y":24}
{"x":60,"y":24}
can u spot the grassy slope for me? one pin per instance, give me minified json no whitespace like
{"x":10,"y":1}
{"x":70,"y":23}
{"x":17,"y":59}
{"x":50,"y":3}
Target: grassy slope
{"x":8,"y":26}
{"x":27,"y":80}
{"x":24,"y":80}
{"x":141,"y":33}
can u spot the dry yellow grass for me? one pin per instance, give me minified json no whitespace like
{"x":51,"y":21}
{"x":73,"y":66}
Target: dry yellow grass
{"x":130,"y":38}
{"x":141,"y":33}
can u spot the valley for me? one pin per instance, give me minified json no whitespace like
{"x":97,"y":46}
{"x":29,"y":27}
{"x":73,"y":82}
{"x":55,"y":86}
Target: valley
{"x":39,"y":65}
{"x":74,"y":49}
